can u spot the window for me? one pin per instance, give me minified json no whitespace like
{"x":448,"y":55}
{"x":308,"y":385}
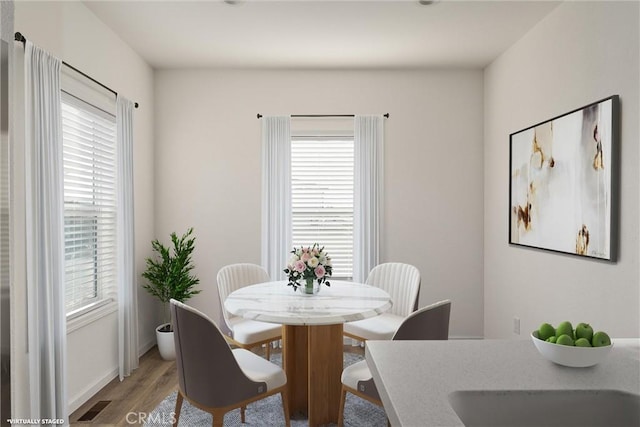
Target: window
{"x":89,"y":152}
{"x":322,"y":171}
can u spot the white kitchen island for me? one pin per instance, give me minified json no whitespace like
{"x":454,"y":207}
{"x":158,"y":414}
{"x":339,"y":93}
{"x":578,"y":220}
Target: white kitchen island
{"x":416,"y":378}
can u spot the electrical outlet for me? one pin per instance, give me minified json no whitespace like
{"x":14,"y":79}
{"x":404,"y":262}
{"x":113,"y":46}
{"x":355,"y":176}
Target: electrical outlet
{"x":516,"y":325}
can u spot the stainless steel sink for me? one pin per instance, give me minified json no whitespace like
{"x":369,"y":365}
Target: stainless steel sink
{"x":551,"y":408}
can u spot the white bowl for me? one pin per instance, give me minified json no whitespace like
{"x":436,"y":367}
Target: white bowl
{"x":575,"y":357}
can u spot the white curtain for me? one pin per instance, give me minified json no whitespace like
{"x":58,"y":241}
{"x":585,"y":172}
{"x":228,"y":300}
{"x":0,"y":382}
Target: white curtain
{"x":276,"y":195}
{"x":44,"y":174}
{"x":369,"y":167}
{"x":127,"y":289}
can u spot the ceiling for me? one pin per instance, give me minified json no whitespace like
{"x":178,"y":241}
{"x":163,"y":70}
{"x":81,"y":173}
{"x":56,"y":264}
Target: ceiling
{"x":320,"y":34}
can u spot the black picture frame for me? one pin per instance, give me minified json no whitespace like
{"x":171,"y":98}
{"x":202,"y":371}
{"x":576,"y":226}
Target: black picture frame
{"x":564,"y":182}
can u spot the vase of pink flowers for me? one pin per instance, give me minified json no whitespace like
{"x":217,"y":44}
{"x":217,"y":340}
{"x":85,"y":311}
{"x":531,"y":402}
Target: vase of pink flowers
{"x":308,"y":268}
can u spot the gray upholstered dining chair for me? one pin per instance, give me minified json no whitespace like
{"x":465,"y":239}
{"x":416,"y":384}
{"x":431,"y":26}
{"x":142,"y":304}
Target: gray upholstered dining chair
{"x":214,"y":378}
{"x":245,"y":333}
{"x":428,"y":323}
{"x":402,"y":282}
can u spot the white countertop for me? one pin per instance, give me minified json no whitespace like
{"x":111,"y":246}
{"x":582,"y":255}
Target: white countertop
{"x":275,"y":302}
{"x":415,"y":378}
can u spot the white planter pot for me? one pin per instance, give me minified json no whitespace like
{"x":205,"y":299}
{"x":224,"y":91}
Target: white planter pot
{"x":165,"y":343}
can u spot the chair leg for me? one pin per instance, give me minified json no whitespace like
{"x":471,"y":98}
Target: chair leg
{"x":242,"y":411}
{"x":343,"y":398}
{"x":178,"y":409}
{"x":269,"y":351}
{"x":285,"y":407}
{"x":218,"y":418}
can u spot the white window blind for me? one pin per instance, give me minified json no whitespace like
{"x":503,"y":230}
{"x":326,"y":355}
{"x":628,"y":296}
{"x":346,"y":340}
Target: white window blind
{"x":322,"y":198}
{"x":89,"y":152}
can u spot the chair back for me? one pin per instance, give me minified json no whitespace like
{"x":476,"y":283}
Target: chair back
{"x":208,"y":373}
{"x":428,"y":323}
{"x":235,"y":276}
{"x":401,"y":281}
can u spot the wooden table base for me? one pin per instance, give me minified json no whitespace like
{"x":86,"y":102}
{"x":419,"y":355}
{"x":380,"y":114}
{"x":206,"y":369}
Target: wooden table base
{"x":312,"y":359}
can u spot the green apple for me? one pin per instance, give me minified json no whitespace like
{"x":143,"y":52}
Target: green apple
{"x":545,"y":331}
{"x":565,"y":339}
{"x":584,"y":330}
{"x":551,"y":339}
{"x":601,"y":339}
{"x":582,"y":342}
{"x":564,"y":328}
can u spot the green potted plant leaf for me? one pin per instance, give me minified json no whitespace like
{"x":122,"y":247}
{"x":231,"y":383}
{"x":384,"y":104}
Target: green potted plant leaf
{"x":169,"y":275}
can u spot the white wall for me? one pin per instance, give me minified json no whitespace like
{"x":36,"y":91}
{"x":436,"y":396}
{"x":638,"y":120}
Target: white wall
{"x":208,"y":168}
{"x":580,"y":53}
{"x":71,"y":32}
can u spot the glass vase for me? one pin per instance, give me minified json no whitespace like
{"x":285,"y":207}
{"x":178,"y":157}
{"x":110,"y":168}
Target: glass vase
{"x":310,"y":287}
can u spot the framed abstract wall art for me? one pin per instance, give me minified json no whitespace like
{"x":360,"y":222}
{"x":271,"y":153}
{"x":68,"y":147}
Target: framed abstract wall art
{"x":561,"y":184}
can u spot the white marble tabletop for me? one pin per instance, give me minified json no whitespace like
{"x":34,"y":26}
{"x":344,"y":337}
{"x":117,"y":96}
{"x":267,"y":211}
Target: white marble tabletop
{"x":275,"y":302}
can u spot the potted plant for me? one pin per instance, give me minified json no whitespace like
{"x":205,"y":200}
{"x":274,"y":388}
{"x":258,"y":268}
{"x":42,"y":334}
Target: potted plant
{"x":169,"y":276}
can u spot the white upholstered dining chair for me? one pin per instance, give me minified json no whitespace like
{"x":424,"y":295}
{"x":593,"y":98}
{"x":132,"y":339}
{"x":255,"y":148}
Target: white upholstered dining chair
{"x":402,"y":282}
{"x":214,"y":378}
{"x":428,"y":323}
{"x":245,"y":333}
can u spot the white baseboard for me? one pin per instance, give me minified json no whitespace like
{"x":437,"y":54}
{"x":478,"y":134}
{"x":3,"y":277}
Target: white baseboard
{"x":146,"y":347}
{"x":77,"y":401}
{"x":463,"y":337}
{"x":349,"y":341}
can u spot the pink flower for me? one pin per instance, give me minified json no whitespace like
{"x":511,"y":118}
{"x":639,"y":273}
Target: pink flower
{"x":319,"y":271}
{"x":305,"y":256}
{"x":299,"y":266}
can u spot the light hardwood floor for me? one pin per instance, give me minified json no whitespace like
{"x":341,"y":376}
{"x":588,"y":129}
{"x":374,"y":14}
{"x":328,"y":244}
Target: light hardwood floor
{"x":136,"y":396}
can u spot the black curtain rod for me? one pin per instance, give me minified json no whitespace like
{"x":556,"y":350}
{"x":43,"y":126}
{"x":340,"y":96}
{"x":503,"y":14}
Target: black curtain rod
{"x":20,"y":38}
{"x":323,"y":115}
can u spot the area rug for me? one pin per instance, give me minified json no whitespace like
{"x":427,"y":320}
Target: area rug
{"x":267,"y":412}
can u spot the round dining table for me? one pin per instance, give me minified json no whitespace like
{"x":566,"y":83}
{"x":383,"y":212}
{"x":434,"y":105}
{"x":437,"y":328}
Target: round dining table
{"x":312,"y":342}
